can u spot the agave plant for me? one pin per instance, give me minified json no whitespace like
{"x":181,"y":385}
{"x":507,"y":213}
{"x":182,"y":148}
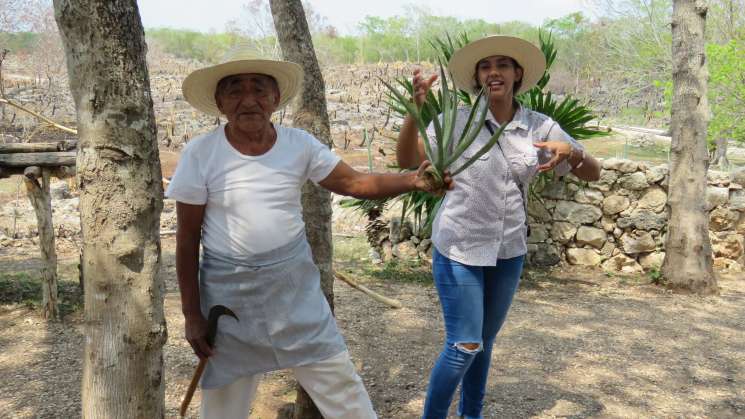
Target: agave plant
{"x":571,"y":116}
{"x":447,"y":148}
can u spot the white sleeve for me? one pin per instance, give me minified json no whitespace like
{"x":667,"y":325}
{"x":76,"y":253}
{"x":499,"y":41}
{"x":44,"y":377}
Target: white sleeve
{"x":556,"y":133}
{"x":321,"y":160}
{"x":188,"y":184}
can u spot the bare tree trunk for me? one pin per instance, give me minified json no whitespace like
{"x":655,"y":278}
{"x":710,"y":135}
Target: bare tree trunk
{"x":310,"y":114}
{"x":41,"y":200}
{"x":121,"y":191}
{"x":688,"y":255}
{"x":719,"y":158}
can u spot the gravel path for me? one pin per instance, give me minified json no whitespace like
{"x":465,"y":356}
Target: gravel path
{"x":576,"y":344}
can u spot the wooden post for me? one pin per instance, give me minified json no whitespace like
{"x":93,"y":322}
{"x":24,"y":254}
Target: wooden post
{"x":41,"y":200}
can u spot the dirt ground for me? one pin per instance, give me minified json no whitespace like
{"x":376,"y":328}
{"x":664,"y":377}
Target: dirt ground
{"x":576,"y":344}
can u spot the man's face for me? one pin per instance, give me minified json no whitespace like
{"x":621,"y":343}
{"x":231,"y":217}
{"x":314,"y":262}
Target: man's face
{"x":499,"y":74}
{"x":247,"y":100}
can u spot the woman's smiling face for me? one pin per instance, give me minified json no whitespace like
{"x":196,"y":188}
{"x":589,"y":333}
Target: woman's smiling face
{"x":499,"y":74}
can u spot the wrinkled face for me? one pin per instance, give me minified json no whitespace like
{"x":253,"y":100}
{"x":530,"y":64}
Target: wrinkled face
{"x":247,"y":100}
{"x":502,"y":75}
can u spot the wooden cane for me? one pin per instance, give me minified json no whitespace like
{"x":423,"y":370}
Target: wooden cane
{"x":215,"y":313}
{"x":193,"y":386}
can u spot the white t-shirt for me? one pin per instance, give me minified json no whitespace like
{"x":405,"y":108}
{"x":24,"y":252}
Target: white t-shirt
{"x":253,"y":202}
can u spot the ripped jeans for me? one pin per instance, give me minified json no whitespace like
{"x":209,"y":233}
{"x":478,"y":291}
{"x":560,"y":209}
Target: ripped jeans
{"x":475,"y":301}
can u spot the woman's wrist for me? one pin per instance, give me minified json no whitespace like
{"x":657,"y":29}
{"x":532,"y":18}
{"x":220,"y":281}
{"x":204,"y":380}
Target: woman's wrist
{"x":576,"y":157}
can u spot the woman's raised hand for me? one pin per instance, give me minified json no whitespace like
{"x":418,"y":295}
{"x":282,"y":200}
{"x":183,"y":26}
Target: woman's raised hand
{"x":421,"y":86}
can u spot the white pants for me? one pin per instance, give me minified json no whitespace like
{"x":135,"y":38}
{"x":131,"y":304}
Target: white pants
{"x":333,"y":384}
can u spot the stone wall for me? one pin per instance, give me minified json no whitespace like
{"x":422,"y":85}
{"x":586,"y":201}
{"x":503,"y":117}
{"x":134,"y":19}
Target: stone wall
{"x":619,"y":222}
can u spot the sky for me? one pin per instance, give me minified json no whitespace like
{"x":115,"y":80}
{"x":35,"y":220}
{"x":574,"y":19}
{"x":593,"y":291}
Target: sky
{"x":210,"y":15}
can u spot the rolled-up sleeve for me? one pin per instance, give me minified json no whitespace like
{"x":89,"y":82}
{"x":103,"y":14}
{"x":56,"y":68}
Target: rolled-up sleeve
{"x":554,"y":132}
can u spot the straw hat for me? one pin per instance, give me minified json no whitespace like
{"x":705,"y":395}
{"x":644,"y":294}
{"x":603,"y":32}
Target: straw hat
{"x":462,"y":64}
{"x":199,"y":86}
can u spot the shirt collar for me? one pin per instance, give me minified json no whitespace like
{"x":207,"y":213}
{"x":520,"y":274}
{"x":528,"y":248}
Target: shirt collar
{"x":520,"y":120}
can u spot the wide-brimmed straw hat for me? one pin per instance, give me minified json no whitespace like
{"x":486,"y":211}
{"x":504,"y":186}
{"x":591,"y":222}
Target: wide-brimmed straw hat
{"x":462,"y":64}
{"x":199,"y":86}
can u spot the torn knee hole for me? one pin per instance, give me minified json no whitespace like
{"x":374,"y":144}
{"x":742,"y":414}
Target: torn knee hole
{"x":469,"y":348}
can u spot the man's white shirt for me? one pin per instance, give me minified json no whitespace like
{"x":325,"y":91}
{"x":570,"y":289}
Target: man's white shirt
{"x":252,"y":202}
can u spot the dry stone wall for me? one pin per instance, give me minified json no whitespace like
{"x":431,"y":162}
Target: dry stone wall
{"x":619,"y":222}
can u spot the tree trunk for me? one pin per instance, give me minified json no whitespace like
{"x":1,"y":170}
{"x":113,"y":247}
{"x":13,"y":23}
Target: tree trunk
{"x":121,"y":191}
{"x":310,"y":114}
{"x":720,"y":154}
{"x":688,"y":255}
{"x":41,"y":200}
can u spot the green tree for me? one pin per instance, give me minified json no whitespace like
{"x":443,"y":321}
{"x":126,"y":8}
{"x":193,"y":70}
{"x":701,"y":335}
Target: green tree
{"x":726,"y":98}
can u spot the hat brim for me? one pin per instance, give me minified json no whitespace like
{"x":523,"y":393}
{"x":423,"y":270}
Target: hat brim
{"x":462,"y":64}
{"x":199,"y":86}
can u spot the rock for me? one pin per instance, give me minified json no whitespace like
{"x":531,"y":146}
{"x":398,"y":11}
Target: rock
{"x":538,"y":211}
{"x":557,"y":189}
{"x":716,"y":197}
{"x":608,"y":224}
{"x":652,"y":260}
{"x":608,"y":249}
{"x":654,"y":199}
{"x":563,"y":232}
{"x":60,"y":190}
{"x":740,"y":226}
{"x":656,"y":174}
{"x":576,"y":213}
{"x":538,"y":233}
{"x":615,"y":204}
{"x":415,"y":240}
{"x":617,"y":232}
{"x":622,"y":263}
{"x":643,"y":220}
{"x":594,"y":237}
{"x":394,"y":230}
{"x":406,"y":250}
{"x":637,"y":243}
{"x":715,"y":177}
{"x":633,"y":181}
{"x":723,"y":264}
{"x":606,"y":181}
{"x":722,"y":219}
{"x":584,"y":257}
{"x":621,"y":165}
{"x":424,"y":245}
{"x":406,"y":231}
{"x":737,"y":200}
{"x":730,"y":246}
{"x":738,"y":176}
{"x":588,"y":196}
{"x":546,"y":255}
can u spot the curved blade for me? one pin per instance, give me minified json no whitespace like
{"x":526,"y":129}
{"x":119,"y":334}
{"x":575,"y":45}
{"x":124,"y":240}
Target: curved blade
{"x":214,"y":315}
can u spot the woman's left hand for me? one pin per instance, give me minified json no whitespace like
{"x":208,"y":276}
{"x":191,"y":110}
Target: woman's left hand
{"x":560,"y":150}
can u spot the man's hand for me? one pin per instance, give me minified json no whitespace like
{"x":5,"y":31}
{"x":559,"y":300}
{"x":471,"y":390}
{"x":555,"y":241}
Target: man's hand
{"x":561,"y":151}
{"x":425,"y":180}
{"x":196,"y":333}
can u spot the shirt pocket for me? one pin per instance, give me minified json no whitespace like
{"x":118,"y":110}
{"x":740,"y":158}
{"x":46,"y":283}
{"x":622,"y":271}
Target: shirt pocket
{"x":524,"y":166}
{"x":477,"y":169}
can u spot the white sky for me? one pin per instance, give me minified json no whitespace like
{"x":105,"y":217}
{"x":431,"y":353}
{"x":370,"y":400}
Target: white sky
{"x":206,"y":15}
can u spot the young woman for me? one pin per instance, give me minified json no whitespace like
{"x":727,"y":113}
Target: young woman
{"x":480,"y":231}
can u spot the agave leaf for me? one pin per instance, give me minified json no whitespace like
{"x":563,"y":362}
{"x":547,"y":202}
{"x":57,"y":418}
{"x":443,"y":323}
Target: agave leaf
{"x":493,"y":140}
{"x":471,"y":114}
{"x":468,"y":137}
{"x":414,"y":112}
{"x":449,"y":113}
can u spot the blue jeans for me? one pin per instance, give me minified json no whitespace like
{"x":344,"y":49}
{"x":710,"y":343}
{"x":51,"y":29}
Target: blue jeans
{"x":475,"y":301}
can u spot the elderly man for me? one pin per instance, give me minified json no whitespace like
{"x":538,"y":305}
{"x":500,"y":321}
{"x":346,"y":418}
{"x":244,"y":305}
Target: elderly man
{"x":238,"y":193}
